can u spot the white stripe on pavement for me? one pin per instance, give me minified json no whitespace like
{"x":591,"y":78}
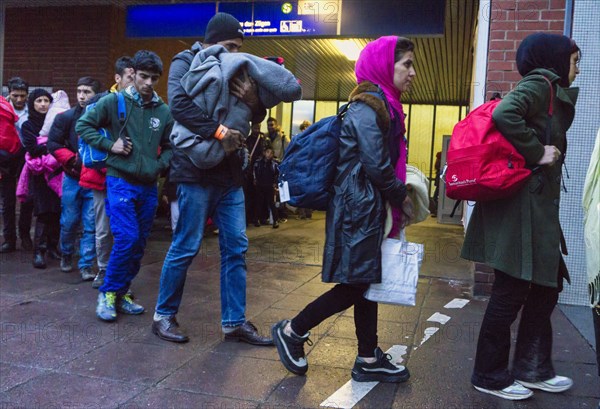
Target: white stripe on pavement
{"x":428,"y":333}
{"x":352,"y":392}
{"x":457,"y":303}
{"x":437,"y":317}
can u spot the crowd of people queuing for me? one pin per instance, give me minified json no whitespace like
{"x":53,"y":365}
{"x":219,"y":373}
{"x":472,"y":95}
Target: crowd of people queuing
{"x":110,"y":211}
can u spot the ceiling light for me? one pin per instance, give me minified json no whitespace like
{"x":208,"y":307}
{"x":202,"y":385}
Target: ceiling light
{"x":348,"y":48}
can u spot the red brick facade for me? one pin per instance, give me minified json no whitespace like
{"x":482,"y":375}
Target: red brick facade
{"x":54,"y":46}
{"x":510,"y":22}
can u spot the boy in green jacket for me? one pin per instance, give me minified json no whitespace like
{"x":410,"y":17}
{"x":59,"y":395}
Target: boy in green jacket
{"x":133,"y":165}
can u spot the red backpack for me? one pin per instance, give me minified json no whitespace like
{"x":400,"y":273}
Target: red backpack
{"x":481,"y":163}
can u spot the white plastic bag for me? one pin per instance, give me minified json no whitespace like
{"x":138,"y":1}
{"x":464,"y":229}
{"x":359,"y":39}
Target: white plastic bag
{"x":400,"y":263}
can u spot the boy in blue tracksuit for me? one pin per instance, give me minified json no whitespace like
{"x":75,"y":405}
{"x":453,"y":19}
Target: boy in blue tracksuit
{"x":139,"y":150}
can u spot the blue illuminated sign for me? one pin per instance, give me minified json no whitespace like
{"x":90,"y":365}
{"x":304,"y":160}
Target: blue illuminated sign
{"x":290,"y":19}
{"x":361,"y":18}
{"x":169,"y":20}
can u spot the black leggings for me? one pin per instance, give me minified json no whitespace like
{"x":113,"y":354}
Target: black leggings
{"x":340,"y":298}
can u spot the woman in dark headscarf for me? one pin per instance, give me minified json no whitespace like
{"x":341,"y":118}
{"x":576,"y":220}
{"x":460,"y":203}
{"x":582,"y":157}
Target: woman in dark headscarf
{"x":46,"y":201}
{"x":520,"y":236}
{"x":373,"y":158}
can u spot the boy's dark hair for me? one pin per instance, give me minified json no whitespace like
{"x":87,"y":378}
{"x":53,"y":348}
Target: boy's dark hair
{"x":123,"y":63}
{"x":145,"y":60}
{"x":90,"y":82}
{"x":271,"y":119}
{"x":17,"y":84}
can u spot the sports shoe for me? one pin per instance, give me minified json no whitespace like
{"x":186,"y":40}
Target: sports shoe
{"x":126,"y":305}
{"x":556,"y":384}
{"x":66,"y":263}
{"x":105,"y":310}
{"x":99,"y":279}
{"x":7,"y":247}
{"x":291,"y":348}
{"x":382,"y":370}
{"x":516,"y":391}
{"x":87,"y":274}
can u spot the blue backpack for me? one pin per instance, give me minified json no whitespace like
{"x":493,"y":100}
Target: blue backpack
{"x":91,"y":157}
{"x":310,"y":163}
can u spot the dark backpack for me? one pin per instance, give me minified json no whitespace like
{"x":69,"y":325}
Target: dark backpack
{"x":91,"y":157}
{"x":310,"y":162}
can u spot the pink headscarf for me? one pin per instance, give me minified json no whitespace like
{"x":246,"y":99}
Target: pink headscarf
{"x":376,"y":64}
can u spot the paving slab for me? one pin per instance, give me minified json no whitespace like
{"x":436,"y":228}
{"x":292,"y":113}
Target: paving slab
{"x":230,"y":376}
{"x":60,"y":390}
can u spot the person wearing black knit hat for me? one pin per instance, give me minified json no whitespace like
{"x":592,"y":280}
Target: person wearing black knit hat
{"x":216,"y":193}
{"x":520,"y":237}
{"x":46,"y":203}
{"x":221,"y":28}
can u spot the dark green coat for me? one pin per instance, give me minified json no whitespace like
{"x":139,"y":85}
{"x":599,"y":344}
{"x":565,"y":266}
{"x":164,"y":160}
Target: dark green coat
{"x":521,"y":235}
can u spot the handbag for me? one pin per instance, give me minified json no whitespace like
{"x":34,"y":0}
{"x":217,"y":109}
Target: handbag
{"x":400,"y":264}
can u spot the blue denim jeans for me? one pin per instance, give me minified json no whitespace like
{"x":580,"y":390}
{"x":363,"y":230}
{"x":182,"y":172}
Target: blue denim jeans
{"x":225,"y":205}
{"x":130,"y":209}
{"x":77,"y":209}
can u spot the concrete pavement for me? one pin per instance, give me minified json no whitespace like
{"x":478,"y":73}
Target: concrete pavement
{"x":54,"y":352}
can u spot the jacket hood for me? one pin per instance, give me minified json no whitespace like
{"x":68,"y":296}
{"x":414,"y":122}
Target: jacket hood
{"x":131,"y":93}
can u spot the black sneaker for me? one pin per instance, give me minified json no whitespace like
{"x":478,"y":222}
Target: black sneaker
{"x":66,"y":263}
{"x":382,"y":370}
{"x":290,"y":348}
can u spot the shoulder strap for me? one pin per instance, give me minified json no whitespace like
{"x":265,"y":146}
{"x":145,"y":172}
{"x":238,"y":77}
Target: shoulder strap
{"x":550,"y":110}
{"x":340,"y":115}
{"x":121,"y":109}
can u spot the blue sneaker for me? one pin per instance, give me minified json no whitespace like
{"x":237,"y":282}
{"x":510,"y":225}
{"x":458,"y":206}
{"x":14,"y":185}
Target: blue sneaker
{"x":105,"y":310}
{"x":127,"y":306}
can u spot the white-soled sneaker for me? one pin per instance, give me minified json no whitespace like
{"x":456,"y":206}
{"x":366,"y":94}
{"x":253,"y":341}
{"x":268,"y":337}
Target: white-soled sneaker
{"x":516,"y":391}
{"x":555,"y":385}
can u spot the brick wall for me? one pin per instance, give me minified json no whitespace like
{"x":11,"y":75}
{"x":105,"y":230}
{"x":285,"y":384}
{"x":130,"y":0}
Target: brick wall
{"x":54,"y":46}
{"x":510,"y":22}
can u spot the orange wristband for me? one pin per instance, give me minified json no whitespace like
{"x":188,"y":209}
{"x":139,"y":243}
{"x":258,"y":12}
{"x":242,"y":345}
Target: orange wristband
{"x":220,"y":132}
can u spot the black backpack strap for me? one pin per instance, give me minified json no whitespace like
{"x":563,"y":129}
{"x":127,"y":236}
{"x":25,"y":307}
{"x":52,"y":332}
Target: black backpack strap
{"x":341,"y":114}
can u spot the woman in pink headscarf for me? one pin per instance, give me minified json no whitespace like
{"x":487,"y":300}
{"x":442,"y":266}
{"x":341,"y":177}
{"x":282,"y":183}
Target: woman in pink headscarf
{"x":370,"y":172}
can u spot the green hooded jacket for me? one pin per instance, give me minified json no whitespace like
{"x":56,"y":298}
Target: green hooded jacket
{"x":149,"y":127}
{"x":521,"y":235}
